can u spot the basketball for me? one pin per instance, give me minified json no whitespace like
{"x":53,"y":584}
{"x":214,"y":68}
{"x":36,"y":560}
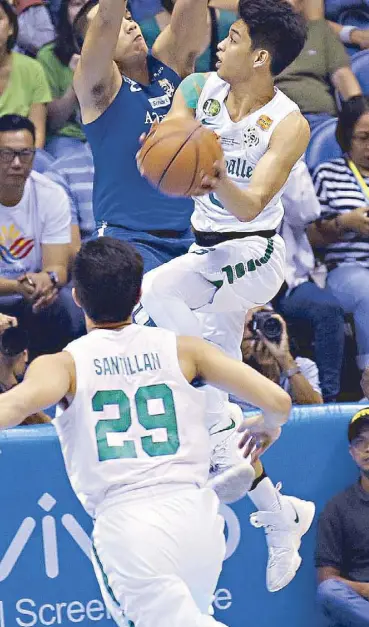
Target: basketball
{"x":176,"y":152}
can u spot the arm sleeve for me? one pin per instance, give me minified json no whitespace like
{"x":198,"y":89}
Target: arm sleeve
{"x":321,"y":185}
{"x":337,"y":56}
{"x":41,"y":91}
{"x":299,"y":199}
{"x":310,"y":371}
{"x":45,"y":58}
{"x":191,"y":88}
{"x":57,"y":218}
{"x":57,"y":177}
{"x":329,"y":546}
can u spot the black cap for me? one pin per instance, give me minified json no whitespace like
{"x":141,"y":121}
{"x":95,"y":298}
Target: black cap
{"x":359,"y":422}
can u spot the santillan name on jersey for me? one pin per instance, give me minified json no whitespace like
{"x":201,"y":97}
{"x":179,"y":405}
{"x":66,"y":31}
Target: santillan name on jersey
{"x":127,"y":366}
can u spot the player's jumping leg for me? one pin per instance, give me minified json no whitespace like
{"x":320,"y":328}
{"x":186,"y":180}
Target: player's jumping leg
{"x":160,"y":556}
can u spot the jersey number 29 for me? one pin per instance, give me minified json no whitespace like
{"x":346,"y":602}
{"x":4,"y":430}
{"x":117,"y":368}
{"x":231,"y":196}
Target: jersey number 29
{"x":165,"y":420}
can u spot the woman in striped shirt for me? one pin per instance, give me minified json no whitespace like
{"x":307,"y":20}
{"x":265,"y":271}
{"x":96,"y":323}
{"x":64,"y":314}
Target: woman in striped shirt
{"x":342,"y":232}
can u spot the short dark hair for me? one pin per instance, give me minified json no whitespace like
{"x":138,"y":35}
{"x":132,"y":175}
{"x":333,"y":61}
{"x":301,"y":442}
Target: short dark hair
{"x":351,"y":111}
{"x":275,"y":26}
{"x":13,"y":20}
{"x":13,"y":122}
{"x":107,"y":276}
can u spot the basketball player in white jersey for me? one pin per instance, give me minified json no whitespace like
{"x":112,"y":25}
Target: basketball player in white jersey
{"x":238,"y":260}
{"x":136,"y":444}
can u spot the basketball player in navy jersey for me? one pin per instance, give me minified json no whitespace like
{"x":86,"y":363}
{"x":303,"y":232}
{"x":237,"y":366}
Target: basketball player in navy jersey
{"x":122,"y":89}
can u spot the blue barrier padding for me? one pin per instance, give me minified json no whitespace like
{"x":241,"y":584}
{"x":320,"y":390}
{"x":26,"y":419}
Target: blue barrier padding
{"x":46,"y":577}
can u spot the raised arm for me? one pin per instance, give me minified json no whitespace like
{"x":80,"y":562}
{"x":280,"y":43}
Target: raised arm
{"x":288,"y":142}
{"x":200,"y":359}
{"x":48,"y":379}
{"x":97,"y":79}
{"x":185,"y":37}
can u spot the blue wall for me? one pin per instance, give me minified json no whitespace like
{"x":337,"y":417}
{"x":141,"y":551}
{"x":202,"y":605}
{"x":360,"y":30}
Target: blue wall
{"x":46,"y":577}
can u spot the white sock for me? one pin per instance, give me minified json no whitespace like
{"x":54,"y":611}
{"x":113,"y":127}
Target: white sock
{"x":265,"y":496}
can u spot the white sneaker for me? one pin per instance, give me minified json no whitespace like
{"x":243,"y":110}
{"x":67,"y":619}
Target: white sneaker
{"x":284,"y":530}
{"x":231,"y":476}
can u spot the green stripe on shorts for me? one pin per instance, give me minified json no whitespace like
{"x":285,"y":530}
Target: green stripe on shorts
{"x":106,"y":583}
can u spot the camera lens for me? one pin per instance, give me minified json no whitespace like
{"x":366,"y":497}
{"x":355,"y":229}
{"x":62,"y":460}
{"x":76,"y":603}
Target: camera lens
{"x":272,"y":329}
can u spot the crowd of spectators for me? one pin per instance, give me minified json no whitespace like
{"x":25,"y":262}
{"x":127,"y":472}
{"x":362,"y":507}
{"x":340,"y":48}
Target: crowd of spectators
{"x":299,"y":340}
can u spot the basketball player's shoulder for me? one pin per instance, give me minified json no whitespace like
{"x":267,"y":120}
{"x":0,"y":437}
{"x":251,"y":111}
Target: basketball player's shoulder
{"x":191,"y":87}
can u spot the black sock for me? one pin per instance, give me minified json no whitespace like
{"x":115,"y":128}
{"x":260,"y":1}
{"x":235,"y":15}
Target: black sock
{"x":257,"y":481}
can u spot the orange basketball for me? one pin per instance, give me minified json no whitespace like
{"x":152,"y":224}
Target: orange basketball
{"x":174,"y":154}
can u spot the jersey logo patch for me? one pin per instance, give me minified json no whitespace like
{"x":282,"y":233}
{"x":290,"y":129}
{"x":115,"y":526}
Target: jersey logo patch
{"x":264,"y":122}
{"x":211,"y":107}
{"x":167,"y":87}
{"x":251,"y":137}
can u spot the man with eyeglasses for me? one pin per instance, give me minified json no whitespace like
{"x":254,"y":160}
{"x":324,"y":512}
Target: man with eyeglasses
{"x":35,"y":238}
{"x":342,"y":554}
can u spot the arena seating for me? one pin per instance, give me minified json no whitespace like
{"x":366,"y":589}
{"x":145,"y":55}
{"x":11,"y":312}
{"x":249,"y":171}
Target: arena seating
{"x":323,"y":145}
{"x":360,"y":67}
{"x":45,"y":574}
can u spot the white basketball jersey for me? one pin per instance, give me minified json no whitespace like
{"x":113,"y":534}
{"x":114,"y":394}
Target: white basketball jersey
{"x":243,"y":144}
{"x":135,"y":421}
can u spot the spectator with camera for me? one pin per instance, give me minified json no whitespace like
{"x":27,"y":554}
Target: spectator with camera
{"x":311,"y":311}
{"x":341,"y":234}
{"x":342,"y":551}
{"x":14,"y":359}
{"x":266,"y":347}
{"x":34,"y":244}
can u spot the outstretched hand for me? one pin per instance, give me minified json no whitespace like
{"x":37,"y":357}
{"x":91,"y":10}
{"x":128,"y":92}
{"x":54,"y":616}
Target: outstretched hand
{"x":257,"y":437}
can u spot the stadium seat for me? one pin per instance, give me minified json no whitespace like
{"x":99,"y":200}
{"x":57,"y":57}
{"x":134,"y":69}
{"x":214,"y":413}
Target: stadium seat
{"x":344,"y":10}
{"x":323,"y":145}
{"x":360,"y":67}
{"x":42,"y":161}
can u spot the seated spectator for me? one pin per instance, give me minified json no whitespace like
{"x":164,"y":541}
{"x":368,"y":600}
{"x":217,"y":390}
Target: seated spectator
{"x":342,"y":232}
{"x":350,"y":34}
{"x":34,"y":244}
{"x":13,"y":361}
{"x":342,"y":552}
{"x":35,"y":26}
{"x":23,"y":85}
{"x":301,"y":301}
{"x":322,"y":66}
{"x":76,"y":175}
{"x":266,"y":347}
{"x":59,"y":60}
{"x":219,"y":23}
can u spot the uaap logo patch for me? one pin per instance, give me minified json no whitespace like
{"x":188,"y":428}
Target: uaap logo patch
{"x":264,"y":122}
{"x":211,"y":107}
{"x":167,"y":87}
{"x":250,"y":137}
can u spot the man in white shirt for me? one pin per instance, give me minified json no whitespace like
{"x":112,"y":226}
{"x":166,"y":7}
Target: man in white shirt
{"x":35,"y":239}
{"x":301,"y":301}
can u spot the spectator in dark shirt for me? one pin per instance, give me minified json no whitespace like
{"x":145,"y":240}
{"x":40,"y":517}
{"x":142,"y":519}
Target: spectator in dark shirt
{"x":342,"y":553}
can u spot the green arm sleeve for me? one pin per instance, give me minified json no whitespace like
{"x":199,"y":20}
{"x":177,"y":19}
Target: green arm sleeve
{"x":191,"y":88}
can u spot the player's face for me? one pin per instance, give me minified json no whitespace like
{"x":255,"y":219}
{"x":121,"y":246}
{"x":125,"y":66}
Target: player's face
{"x":131,"y":45}
{"x":235,"y":55}
{"x":15,"y":168}
{"x":359,"y":450}
{"x":359,"y":151}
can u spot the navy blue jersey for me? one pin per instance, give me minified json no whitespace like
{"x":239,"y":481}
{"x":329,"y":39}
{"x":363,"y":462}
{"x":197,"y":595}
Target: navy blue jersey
{"x":121,"y":196}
